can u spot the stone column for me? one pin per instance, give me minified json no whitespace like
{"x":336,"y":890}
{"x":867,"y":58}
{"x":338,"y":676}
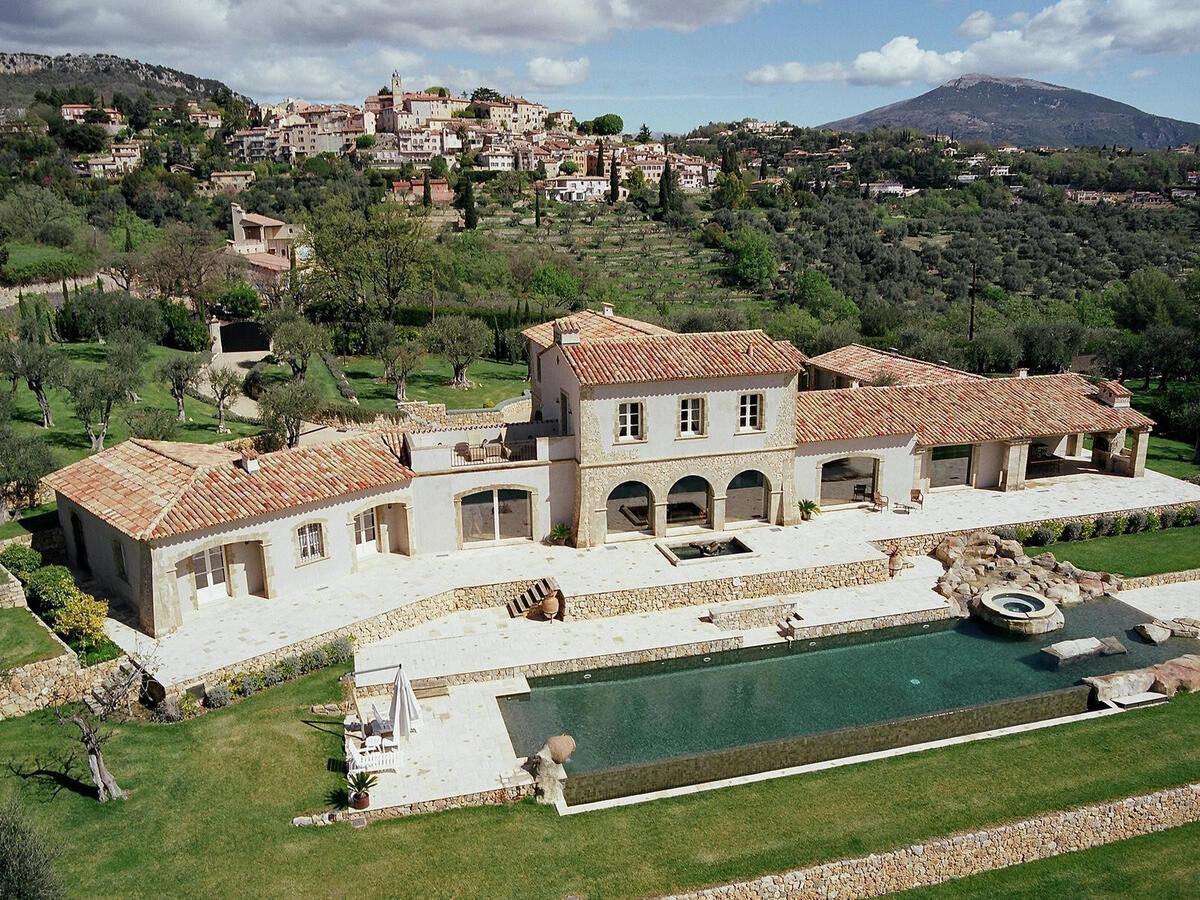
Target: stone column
{"x":1074,"y":444}
{"x":214,"y":332}
{"x":717,"y":513}
{"x":660,"y":519}
{"x":1137,"y":453}
{"x":1012,"y":467}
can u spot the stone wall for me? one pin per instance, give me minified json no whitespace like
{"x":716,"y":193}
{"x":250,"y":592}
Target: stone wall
{"x":854,"y":626}
{"x":11,"y":592}
{"x":923,"y":544}
{"x":51,"y":681}
{"x":719,"y":590}
{"x":563,"y":666}
{"x":785,"y":753}
{"x":50,"y":543}
{"x":749,"y":615}
{"x":481,"y":798}
{"x":969,"y":853}
{"x":1144,"y":581}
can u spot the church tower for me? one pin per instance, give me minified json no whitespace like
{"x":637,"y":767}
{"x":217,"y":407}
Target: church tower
{"x":397,"y":89}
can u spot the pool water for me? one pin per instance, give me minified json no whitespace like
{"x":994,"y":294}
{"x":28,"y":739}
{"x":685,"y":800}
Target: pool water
{"x":662,"y":710}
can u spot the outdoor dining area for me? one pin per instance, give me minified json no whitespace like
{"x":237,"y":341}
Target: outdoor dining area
{"x":374,"y":738}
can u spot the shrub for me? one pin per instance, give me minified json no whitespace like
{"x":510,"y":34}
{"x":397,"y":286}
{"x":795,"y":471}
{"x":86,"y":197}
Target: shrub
{"x":1102,"y":527}
{"x":1119,"y":525}
{"x":1167,"y":518}
{"x":1087,"y":529}
{"x":26,"y":860}
{"x":1189,"y":515}
{"x":81,"y":619}
{"x":21,"y":561}
{"x":56,"y":234}
{"x":340,"y":649}
{"x":1136,"y":522}
{"x":189,"y":706}
{"x":271,"y":676}
{"x":1042,"y":537}
{"x":184,"y":331}
{"x":218,"y":696}
{"x":1055,"y":528}
{"x":1071,"y":531}
{"x":1153,"y":521}
{"x":168,"y":711}
{"x":50,"y":587}
{"x":1006,"y":533}
{"x":339,"y":377}
{"x":248,"y":683}
{"x":1022,"y":532}
{"x":313,"y":660}
{"x":289,"y":667}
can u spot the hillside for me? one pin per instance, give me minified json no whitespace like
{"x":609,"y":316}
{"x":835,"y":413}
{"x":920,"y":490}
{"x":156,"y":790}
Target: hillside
{"x":23,"y":74}
{"x":1027,"y":113}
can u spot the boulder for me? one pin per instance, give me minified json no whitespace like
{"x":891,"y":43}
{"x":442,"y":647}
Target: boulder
{"x":1153,"y":632}
{"x":1010,"y":550}
{"x":1182,"y":674}
{"x":1045,"y":560}
{"x":1022,"y":561}
{"x":949,"y":550}
{"x":1185,"y":627}
{"x":1067,"y":568}
{"x":1065,"y":593}
{"x":561,"y":746}
{"x":1121,"y":684}
{"x":1067,"y":652}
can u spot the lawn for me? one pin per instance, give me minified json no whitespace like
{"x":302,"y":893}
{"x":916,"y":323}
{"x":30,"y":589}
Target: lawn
{"x":1153,"y":865}
{"x":212,"y":798}
{"x":1132,"y":555}
{"x":28,"y":521}
{"x":1170,"y":457}
{"x":23,"y":640}
{"x":495,"y":381}
{"x":68,"y":438}
{"x":35,"y":262}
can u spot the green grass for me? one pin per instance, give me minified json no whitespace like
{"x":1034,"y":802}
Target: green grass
{"x":1158,"y":865}
{"x":68,"y":438}
{"x":1170,"y":457}
{"x":23,"y":640}
{"x":1133,"y":555}
{"x":29,"y":521}
{"x":211,"y":800}
{"x":34,"y":262}
{"x":495,"y":381}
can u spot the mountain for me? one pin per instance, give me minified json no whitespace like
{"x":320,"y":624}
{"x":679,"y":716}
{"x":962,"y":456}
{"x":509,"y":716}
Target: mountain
{"x":23,"y":74}
{"x":1027,"y":113}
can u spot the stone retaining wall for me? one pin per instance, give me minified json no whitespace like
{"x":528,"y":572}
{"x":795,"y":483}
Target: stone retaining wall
{"x":48,"y":682}
{"x":482,"y":798}
{"x":719,"y":590}
{"x":915,"y":617}
{"x":50,"y":543}
{"x":1144,"y":581}
{"x":923,"y":544}
{"x":11,"y":592}
{"x":749,"y":615}
{"x":969,"y":853}
{"x":563,"y":666}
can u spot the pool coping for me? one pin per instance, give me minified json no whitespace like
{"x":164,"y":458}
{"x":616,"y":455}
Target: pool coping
{"x":684,"y":790}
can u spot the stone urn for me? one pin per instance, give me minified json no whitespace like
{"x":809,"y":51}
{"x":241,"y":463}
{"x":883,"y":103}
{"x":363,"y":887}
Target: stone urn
{"x":561,"y":746}
{"x":550,"y":606}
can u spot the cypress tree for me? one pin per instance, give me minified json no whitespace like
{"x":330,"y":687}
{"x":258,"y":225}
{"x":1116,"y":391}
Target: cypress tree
{"x":614,"y":180}
{"x":426,"y":192}
{"x":762,"y":168}
{"x":599,"y":160}
{"x":537,"y":213}
{"x":65,"y":292}
{"x":664,"y":188}
{"x":128,"y":240}
{"x":470,"y":216}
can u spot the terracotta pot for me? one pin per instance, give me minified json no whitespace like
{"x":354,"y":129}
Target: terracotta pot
{"x":360,"y":801}
{"x":561,"y":746}
{"x":550,"y":605}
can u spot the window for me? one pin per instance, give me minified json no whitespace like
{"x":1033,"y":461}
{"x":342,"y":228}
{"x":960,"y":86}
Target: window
{"x":364,"y":527}
{"x":312,"y":541}
{"x":750,"y":412}
{"x":564,"y":410}
{"x":629,"y":422}
{"x":951,"y":466}
{"x":118,"y":551}
{"x":691,"y":416}
{"x":492,"y":515}
{"x":209,"y":568}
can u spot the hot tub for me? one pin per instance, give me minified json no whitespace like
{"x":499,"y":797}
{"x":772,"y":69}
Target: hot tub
{"x":1013,"y":609}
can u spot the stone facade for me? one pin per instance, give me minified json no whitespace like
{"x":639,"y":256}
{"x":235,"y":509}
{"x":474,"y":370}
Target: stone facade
{"x":481,"y":798}
{"x":48,"y":682}
{"x":969,"y":853}
{"x":751,"y":614}
{"x":11,"y":592}
{"x":719,"y":590}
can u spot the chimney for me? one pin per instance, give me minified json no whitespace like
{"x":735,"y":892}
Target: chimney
{"x":248,"y":461}
{"x":1021,"y":373}
{"x":607,"y":308}
{"x":566,"y":331}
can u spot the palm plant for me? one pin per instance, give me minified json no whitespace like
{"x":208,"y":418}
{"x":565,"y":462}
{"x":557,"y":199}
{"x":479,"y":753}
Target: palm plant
{"x":808,"y":508}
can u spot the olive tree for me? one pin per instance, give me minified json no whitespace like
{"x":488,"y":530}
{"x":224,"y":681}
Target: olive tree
{"x":460,"y":340}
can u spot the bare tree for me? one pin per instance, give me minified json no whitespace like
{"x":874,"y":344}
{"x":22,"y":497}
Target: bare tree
{"x":92,"y":722}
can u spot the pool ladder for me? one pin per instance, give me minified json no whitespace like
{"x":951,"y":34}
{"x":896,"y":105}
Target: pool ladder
{"x":533,"y":597}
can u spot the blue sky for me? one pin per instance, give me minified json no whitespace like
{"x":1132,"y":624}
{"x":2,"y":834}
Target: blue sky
{"x":673,"y":64}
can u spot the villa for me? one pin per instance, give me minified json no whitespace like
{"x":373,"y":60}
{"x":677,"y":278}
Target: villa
{"x":635,"y":433}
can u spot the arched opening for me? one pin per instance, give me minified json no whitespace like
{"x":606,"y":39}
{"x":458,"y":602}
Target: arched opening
{"x":851,"y":479}
{"x":496,"y":515}
{"x":748,"y":498}
{"x":630,"y":509}
{"x":81,"y":553}
{"x":689,"y":502}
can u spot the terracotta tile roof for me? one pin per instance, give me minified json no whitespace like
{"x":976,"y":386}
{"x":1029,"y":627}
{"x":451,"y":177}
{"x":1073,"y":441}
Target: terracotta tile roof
{"x":865,"y":364}
{"x":156,"y":489}
{"x":962,"y":412}
{"x":1116,"y":388}
{"x":671,"y":357}
{"x":272,"y":261}
{"x":256,"y":219}
{"x":594,"y":326}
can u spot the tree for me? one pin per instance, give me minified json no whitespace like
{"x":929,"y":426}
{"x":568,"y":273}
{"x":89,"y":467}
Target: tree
{"x":142,"y":112}
{"x":151,"y":424}
{"x":599,"y":160}
{"x":180,"y":110}
{"x":285,"y":408}
{"x":426,"y":191}
{"x":614,"y":180}
{"x":643,"y":135}
{"x":460,"y":340}
{"x":24,"y":459}
{"x":224,"y":384}
{"x":568,"y":167}
{"x":181,"y":373}
{"x":93,"y":730}
{"x":26,"y":863}
{"x":470,"y":216}
{"x":1189,"y":423}
{"x":40,"y":365}
{"x":295,"y":342}
{"x":665,"y":186}
{"x":486,"y":95}
{"x":754,"y":262}
{"x":29,"y":208}
{"x":609,"y":123}
{"x":537,"y":209}
{"x":730,"y":192}
{"x":96,"y":392}
{"x":187,"y":262}
{"x":401,"y":350}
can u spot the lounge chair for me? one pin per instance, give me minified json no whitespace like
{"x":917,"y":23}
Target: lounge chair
{"x":371,"y":760}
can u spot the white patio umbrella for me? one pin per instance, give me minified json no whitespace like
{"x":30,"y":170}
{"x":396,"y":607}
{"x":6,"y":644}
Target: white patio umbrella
{"x":406,"y":712}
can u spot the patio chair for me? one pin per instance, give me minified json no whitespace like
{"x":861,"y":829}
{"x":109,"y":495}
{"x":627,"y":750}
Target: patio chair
{"x":860,"y":493}
{"x":371,"y":761}
{"x":880,"y":502}
{"x":916,"y":498}
{"x":379,"y":723}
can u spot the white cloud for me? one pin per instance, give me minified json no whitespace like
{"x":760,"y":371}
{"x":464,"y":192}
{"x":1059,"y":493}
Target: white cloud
{"x":553,"y":73}
{"x":1068,"y":34}
{"x":1141,"y":74}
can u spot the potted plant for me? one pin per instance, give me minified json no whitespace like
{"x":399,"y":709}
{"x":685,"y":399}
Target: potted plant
{"x":560,"y":534}
{"x":360,"y":789}
{"x":808,"y":509}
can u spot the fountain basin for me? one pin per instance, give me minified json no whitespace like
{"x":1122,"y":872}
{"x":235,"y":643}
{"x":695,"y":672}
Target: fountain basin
{"x":1019,"y":611}
{"x":699,"y":550}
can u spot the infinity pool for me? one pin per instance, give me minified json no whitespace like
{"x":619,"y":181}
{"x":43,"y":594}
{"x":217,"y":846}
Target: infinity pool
{"x":662,"y":710}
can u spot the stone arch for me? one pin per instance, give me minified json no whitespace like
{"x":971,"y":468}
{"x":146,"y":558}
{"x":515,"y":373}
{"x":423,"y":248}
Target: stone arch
{"x":690,"y":502}
{"x":629,"y":509}
{"x":748,"y":497}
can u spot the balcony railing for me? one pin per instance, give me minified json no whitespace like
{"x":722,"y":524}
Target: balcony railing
{"x":492,"y":453}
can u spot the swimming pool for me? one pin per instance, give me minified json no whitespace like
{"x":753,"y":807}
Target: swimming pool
{"x":656,"y":711}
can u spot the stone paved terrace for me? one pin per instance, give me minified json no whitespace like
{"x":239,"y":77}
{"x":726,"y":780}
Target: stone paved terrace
{"x":229,"y":631}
